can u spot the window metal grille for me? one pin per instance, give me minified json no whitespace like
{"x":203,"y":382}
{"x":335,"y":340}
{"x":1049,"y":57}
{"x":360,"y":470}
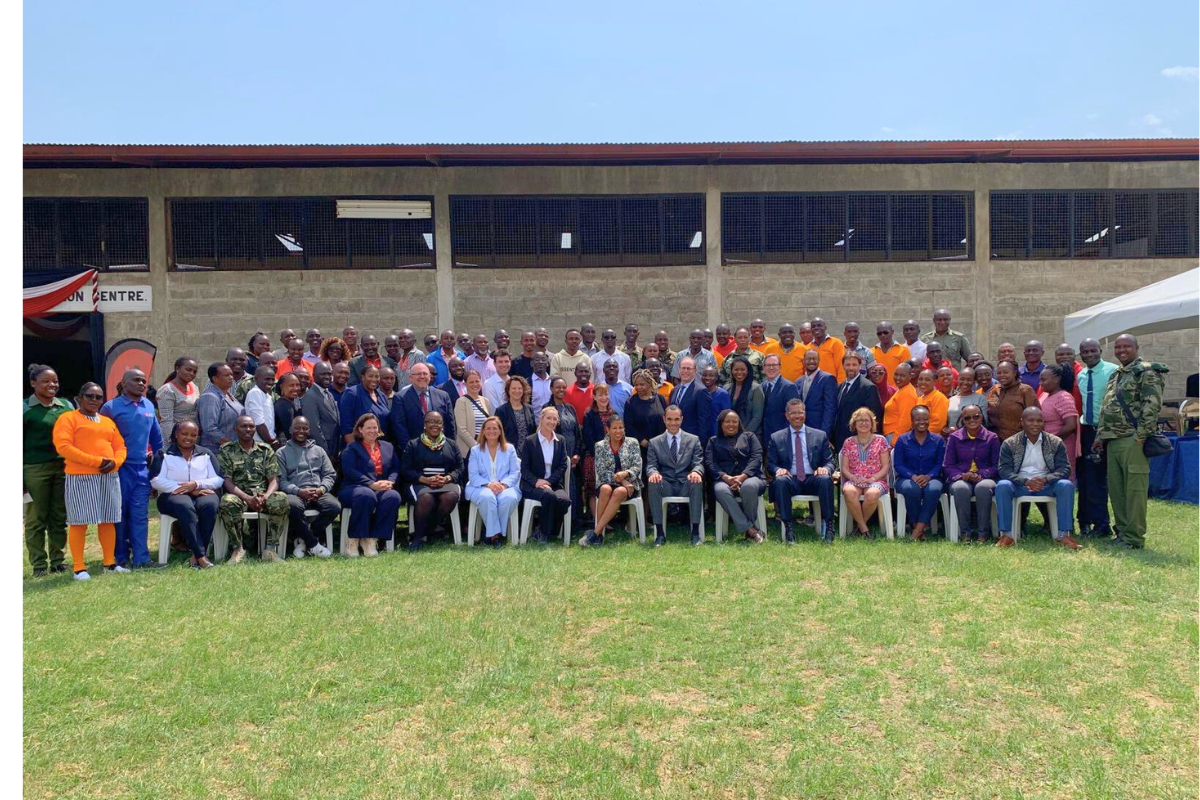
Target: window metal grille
{"x":291,"y":233}
{"x":111,"y":235}
{"x":568,"y":231}
{"x":846,"y":226}
{"x":1101,"y":223}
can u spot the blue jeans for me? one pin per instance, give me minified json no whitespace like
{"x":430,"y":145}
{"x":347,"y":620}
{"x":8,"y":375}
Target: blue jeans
{"x":1063,"y":491}
{"x":135,"y":512}
{"x":920,"y":503}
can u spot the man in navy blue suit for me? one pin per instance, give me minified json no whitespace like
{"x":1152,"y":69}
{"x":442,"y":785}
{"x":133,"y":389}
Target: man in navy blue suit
{"x":801,"y":460}
{"x":818,"y":389}
{"x":694,"y":400}
{"x":777,"y":391}
{"x":407,"y":418}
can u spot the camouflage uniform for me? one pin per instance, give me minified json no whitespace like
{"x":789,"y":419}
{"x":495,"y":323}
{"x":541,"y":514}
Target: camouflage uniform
{"x":251,"y":472}
{"x":635,"y":357}
{"x":751,"y":355}
{"x":955,"y":345}
{"x":1141,"y":385}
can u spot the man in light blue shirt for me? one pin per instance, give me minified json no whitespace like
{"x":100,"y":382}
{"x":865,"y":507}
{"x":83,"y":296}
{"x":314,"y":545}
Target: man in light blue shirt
{"x":1091,"y":470}
{"x":618,"y":390}
{"x":696,"y":352}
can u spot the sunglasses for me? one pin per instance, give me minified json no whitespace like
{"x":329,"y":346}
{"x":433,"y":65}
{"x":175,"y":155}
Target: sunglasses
{"x":93,"y":397}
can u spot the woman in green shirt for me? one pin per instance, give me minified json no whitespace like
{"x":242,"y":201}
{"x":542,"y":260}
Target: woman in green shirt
{"x":42,"y":473}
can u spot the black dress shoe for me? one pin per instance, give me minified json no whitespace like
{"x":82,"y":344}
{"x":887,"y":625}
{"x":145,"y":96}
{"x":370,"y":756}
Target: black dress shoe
{"x":696,"y":540}
{"x":660,"y":540}
{"x":828,"y":537}
{"x":60,"y":568}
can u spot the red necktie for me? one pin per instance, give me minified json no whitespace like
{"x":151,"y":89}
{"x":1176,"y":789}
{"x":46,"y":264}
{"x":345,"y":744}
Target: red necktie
{"x":424,"y":405}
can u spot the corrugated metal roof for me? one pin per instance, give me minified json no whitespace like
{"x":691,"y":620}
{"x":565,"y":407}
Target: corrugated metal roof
{"x":798,"y":152}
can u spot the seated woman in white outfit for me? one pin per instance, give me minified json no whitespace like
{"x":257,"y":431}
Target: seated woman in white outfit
{"x":494,"y":481}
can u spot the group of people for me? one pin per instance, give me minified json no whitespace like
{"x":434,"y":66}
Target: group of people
{"x":329,"y":426}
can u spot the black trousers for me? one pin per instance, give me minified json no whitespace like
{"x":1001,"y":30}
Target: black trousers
{"x":556,"y":504}
{"x":327,"y":507}
{"x":1092,"y":478}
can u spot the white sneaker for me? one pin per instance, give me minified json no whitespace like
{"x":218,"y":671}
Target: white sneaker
{"x":82,"y":576}
{"x":116,"y":568}
{"x":298,"y":551}
{"x":321,"y":551}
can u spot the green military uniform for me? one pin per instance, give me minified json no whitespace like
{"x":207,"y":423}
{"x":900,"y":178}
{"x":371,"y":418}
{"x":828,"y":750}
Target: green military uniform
{"x":955,"y":346}
{"x":42,"y":474}
{"x":667,"y":360}
{"x":755,"y":358}
{"x":1141,"y":385}
{"x":251,"y":472}
{"x":635,"y":356}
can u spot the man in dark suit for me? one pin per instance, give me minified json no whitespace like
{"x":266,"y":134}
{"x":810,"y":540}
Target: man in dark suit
{"x":455,"y":387}
{"x":321,"y":408}
{"x":369,"y":357}
{"x":801,"y":460}
{"x":407,"y":418}
{"x":694,"y":401}
{"x":675,"y":468}
{"x":777,"y":392}
{"x":855,"y":393}
{"x":818,"y":389}
{"x":542,"y":478}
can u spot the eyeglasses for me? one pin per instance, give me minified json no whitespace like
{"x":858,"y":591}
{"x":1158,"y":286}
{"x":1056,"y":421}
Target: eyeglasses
{"x":93,"y":397}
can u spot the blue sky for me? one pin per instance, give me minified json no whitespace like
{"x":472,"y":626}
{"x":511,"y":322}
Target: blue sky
{"x":162,"y":72}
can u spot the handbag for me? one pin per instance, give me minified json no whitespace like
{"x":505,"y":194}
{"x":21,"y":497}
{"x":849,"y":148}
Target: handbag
{"x":1156,"y":444}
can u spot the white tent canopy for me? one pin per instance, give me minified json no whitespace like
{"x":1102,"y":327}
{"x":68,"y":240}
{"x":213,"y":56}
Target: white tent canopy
{"x":1169,"y":305}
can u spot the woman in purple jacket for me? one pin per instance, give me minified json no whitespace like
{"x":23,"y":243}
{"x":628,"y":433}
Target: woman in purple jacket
{"x":971,"y":467}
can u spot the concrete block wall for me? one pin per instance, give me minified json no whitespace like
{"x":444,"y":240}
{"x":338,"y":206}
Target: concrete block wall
{"x":654,"y":298}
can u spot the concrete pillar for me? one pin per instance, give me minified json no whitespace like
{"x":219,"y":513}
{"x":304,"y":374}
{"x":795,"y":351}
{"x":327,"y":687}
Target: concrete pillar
{"x":160,"y":317}
{"x":712,"y":248}
{"x":983,"y":272}
{"x":443,"y":260}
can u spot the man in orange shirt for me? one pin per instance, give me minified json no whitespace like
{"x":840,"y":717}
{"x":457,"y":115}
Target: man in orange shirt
{"x":790,"y":352}
{"x":897,"y":414}
{"x":830,"y":349}
{"x":758,"y":337}
{"x":887,"y":352}
{"x":929,"y":396}
{"x":294,"y":361}
{"x":725,"y":343}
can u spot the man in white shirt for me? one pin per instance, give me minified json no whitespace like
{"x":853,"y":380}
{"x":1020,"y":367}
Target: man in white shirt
{"x":1033,"y":462}
{"x":260,"y":406}
{"x":493,"y":387}
{"x":611,"y":353}
{"x":912,"y":340}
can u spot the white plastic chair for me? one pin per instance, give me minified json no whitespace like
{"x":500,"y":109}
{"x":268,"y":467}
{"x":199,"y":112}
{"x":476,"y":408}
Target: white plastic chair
{"x":1051,"y":512}
{"x":884,"y":510}
{"x":475,"y":526}
{"x":391,"y":543}
{"x":721,"y":523}
{"x":527,"y":507}
{"x":952,"y":522}
{"x":943,"y":504}
{"x":164,"y":537}
{"x":637,"y":517}
{"x":687,"y":502}
{"x":221,"y":536}
{"x":817,"y":518}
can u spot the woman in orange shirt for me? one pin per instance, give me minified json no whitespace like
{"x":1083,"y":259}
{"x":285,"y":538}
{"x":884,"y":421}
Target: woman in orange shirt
{"x":897,"y":414}
{"x":93,"y":451}
{"x":937,"y":403}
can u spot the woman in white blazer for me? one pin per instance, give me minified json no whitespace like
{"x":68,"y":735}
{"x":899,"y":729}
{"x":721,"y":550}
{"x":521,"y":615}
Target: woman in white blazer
{"x":494,"y":480}
{"x":185,"y":475}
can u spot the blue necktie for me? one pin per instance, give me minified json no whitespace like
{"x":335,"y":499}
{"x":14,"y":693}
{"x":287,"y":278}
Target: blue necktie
{"x":1088,"y":418}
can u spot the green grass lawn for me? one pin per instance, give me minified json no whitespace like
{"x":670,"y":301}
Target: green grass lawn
{"x":866,"y":670}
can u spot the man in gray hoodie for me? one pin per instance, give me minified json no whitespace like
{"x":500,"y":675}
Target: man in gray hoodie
{"x":306,"y":476}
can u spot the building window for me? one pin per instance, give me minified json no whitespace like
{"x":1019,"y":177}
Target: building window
{"x":1104,"y":223}
{"x":111,"y":235}
{"x":775,"y":228}
{"x":562,"y":231}
{"x":292,"y":233}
